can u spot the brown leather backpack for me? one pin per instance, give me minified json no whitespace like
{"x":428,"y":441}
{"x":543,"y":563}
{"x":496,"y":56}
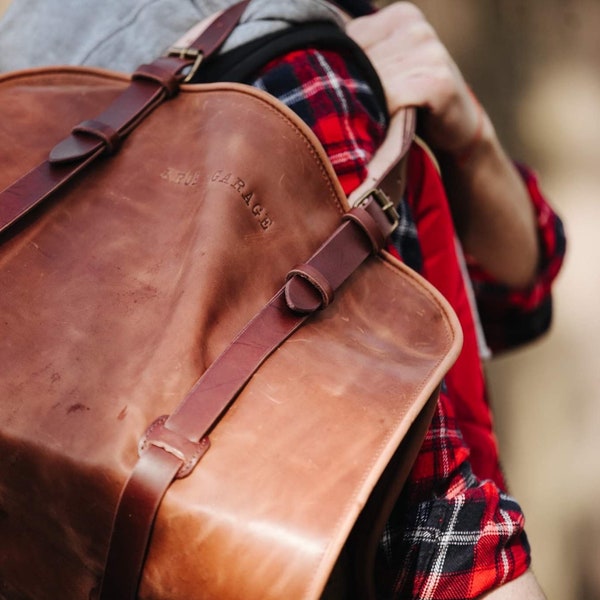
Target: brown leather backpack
{"x":211,"y":270}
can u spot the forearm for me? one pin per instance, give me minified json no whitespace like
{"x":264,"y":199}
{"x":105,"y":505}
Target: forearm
{"x":493,"y":214}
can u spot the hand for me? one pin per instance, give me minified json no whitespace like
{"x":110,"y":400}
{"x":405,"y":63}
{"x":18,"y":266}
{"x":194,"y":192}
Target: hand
{"x":417,"y":70}
{"x":490,"y":204}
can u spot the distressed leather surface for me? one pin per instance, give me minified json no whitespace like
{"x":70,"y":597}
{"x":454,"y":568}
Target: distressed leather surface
{"x":117,"y":294}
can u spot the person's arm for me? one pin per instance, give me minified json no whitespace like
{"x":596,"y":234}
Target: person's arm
{"x":489,"y":201}
{"x":525,"y":587}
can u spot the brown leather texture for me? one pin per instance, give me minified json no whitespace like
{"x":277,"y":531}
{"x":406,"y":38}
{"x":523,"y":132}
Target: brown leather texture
{"x":118,"y":293}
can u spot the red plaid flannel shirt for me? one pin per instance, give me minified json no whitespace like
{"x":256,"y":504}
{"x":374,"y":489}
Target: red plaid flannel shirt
{"x":453,"y":534}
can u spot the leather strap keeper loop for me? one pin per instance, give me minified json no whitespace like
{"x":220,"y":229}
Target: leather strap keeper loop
{"x":163,"y":75}
{"x":294,"y":297}
{"x":108,"y":135}
{"x":170,"y":441}
{"x":367,"y":223}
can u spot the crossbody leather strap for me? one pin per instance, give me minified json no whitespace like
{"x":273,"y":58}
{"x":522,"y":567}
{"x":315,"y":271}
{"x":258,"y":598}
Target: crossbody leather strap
{"x":173,"y":445}
{"x":151,"y":85}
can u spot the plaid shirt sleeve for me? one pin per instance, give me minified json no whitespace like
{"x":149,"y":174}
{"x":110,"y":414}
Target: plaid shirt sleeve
{"x":451,"y":535}
{"x":331,"y":98}
{"x":513,"y":317}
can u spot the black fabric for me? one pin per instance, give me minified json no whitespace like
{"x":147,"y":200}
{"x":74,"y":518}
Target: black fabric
{"x":515,"y":328}
{"x":244,"y":62}
{"x":356,"y":8}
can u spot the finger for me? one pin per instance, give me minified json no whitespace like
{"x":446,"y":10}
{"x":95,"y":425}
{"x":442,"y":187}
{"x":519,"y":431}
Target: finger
{"x":390,"y":20}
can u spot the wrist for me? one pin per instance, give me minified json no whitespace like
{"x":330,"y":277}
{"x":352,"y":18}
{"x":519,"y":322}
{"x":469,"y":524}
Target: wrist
{"x":465,"y":133}
{"x":463,"y":154}
{"x":481,"y":141}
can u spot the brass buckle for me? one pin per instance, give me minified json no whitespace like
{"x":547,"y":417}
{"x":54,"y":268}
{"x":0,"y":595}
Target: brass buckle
{"x":190,"y":54}
{"x":386,"y":205}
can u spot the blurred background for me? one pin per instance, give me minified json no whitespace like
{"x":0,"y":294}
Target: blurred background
{"x":535,"y":64}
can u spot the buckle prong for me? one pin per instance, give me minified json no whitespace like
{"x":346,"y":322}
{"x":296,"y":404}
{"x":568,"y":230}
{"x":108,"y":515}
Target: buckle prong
{"x":386,"y":205}
{"x":190,"y":54}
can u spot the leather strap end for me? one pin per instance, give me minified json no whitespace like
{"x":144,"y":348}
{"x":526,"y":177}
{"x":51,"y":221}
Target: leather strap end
{"x":74,"y":148}
{"x":104,"y":132}
{"x":86,"y":138}
{"x":213,"y":38}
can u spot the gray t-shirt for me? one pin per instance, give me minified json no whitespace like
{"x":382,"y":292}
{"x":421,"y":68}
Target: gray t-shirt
{"x":122,"y":34}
